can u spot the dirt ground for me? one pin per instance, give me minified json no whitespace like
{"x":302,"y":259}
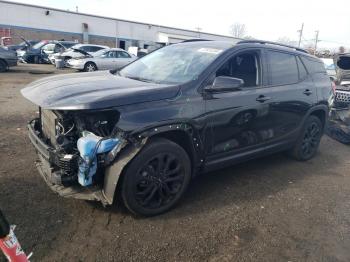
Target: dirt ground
{"x":271,"y":209}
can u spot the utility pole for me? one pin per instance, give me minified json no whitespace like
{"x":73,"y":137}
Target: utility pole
{"x":300,"y":33}
{"x":199,"y":31}
{"x":316,"y":39}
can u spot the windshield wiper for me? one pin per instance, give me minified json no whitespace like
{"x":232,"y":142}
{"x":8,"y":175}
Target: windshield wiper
{"x":140,"y":79}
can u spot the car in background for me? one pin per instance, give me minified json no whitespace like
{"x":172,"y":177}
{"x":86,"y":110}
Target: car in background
{"x":23,"y":46}
{"x":112,"y":59}
{"x":342,"y":92}
{"x":39,"y":53}
{"x":330,"y":68}
{"x":8,"y":58}
{"x":73,"y":52}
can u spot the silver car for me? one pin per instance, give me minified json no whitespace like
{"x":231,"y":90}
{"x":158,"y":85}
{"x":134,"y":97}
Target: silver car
{"x":111,"y":59}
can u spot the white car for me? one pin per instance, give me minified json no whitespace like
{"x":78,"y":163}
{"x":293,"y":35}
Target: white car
{"x":74,"y":53}
{"x":114,"y":58}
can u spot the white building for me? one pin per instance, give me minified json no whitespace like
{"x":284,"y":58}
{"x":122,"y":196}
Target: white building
{"x":38,"y":22}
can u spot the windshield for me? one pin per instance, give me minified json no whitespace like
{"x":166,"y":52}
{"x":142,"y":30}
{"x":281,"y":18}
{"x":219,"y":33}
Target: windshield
{"x":100,"y":52}
{"x":174,"y":64}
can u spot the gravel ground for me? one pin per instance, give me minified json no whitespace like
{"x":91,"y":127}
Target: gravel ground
{"x":271,"y":209}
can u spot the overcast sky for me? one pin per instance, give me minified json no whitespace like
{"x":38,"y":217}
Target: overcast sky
{"x":268,"y":19}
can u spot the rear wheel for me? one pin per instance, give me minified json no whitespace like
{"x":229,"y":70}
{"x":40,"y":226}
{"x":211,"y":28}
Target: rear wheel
{"x":156,"y":178}
{"x":90,"y":67}
{"x":3,"y":66}
{"x":309,"y":140}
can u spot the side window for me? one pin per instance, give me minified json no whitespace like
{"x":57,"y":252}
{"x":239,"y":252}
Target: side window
{"x":283,"y":68}
{"x":112,"y":54}
{"x":49,"y":47}
{"x":313,"y":65}
{"x":302,"y":70}
{"x":121,"y":54}
{"x":244,"y":66}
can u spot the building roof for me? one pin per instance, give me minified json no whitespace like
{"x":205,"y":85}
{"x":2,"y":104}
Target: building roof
{"x":112,"y":18}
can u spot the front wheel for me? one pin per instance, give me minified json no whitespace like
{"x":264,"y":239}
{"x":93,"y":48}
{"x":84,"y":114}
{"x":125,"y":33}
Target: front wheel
{"x":309,"y":140}
{"x":3,"y":66}
{"x":90,"y":67}
{"x":156,"y":178}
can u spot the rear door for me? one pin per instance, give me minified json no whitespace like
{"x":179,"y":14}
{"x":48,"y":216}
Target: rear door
{"x":293,"y":91}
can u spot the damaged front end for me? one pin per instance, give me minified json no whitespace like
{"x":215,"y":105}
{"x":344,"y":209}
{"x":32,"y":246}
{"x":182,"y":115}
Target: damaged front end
{"x":78,"y":151}
{"x":339,"y":120}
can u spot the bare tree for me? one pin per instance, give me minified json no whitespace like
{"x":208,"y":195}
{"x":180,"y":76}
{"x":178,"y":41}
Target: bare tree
{"x":286,"y":41}
{"x":342,"y":50}
{"x":238,"y":30}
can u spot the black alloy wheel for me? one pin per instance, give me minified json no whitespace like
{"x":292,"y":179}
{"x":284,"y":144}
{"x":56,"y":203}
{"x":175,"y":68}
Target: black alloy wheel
{"x":156,"y":178}
{"x":308,"y":143}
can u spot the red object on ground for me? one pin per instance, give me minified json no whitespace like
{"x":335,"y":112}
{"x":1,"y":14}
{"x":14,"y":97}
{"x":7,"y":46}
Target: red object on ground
{"x":9,"y":243}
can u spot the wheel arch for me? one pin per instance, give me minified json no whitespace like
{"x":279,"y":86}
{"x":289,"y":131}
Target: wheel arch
{"x":321,"y":112}
{"x":90,"y":62}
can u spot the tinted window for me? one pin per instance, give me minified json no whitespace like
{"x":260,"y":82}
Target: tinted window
{"x":243,"y":66}
{"x":313,"y":65}
{"x":302,"y":70}
{"x":283,"y":68}
{"x":68,"y":45}
{"x":95,"y":48}
{"x":88,"y":49}
{"x":122,"y":54}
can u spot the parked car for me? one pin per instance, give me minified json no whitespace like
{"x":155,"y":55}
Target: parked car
{"x":39,"y":53}
{"x":73,"y":52}
{"x":342,"y":65}
{"x":8,"y":58}
{"x":330,"y":68}
{"x":23,"y":45}
{"x":181,"y":110}
{"x":113,"y":58}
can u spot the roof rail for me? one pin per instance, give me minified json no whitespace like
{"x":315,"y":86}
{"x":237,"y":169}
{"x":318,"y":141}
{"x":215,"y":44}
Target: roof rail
{"x":271,"y":43}
{"x":195,"y":40}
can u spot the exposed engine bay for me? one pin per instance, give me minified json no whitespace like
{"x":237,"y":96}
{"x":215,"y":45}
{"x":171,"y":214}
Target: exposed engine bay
{"x":82,"y":143}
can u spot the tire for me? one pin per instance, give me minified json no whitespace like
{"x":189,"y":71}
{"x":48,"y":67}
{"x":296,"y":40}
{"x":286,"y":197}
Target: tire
{"x":3,"y":66}
{"x":308,"y":142}
{"x":150,"y":189}
{"x":90,"y":67}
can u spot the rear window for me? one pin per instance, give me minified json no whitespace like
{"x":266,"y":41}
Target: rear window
{"x":313,"y":65}
{"x":283,"y":68}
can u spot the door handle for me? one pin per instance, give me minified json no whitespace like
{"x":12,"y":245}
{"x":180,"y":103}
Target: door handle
{"x":307,"y":92}
{"x":263,"y":98}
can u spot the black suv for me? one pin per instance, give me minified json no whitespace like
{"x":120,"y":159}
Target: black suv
{"x":187,"y":108}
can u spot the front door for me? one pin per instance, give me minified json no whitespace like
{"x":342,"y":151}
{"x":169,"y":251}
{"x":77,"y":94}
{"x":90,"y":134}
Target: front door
{"x":240,"y":120}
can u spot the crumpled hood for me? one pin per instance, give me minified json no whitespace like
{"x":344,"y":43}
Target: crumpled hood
{"x":95,"y":90}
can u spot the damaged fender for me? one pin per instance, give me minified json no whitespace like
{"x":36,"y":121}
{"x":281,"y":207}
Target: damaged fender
{"x":113,"y":172}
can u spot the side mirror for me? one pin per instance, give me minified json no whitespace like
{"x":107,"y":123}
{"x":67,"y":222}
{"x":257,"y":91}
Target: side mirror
{"x":225,"y":84}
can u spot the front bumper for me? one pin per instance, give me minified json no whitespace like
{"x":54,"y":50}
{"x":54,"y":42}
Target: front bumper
{"x":78,"y":66}
{"x":45,"y":166}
